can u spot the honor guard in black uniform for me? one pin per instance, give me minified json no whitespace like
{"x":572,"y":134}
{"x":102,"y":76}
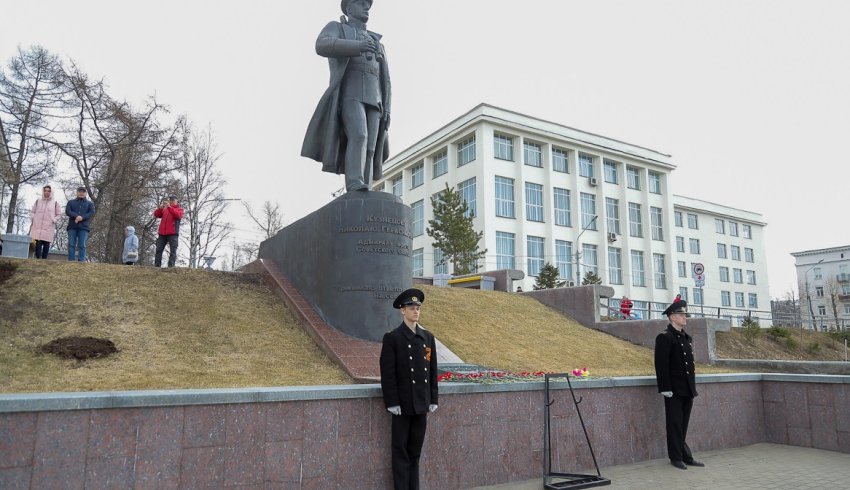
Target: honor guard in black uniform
{"x":409,"y":384}
{"x":674,"y":371}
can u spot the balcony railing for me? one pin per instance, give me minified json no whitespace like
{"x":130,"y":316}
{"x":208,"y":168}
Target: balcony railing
{"x":843,"y":277}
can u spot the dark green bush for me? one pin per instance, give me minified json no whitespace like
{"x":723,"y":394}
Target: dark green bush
{"x":779,"y":332}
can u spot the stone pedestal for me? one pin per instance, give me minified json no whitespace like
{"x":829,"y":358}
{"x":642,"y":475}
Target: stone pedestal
{"x":349,"y":259}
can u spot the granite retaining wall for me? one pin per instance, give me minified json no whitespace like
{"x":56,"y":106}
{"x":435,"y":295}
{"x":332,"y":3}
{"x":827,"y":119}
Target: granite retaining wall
{"x":338,"y":436}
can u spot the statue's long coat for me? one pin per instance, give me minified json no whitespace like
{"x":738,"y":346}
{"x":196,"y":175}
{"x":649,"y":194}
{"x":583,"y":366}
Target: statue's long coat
{"x":325,"y":140}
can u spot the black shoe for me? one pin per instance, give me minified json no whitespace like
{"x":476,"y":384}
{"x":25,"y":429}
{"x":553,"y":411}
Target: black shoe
{"x":679,"y":464}
{"x":694,"y":462}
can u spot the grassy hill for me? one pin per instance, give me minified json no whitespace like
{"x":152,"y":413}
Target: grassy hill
{"x":790,"y":344}
{"x":181,"y":328}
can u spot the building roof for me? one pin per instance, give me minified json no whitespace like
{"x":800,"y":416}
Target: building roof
{"x":718,"y":209}
{"x":821,"y":251}
{"x":498,"y":115}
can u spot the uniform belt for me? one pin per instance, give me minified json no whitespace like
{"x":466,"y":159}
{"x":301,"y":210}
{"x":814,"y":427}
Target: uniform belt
{"x":366,"y":68}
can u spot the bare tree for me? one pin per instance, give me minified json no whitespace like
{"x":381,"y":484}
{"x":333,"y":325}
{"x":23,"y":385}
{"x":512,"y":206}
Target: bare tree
{"x":241,"y":253}
{"x":269,"y":220}
{"x":204,"y":200}
{"x":31,"y":95}
{"x":833,"y":290}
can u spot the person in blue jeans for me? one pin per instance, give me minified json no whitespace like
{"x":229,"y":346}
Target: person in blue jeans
{"x":80,"y":212}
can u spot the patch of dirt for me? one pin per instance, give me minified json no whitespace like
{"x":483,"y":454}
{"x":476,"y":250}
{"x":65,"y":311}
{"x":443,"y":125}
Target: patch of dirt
{"x":7,"y":270}
{"x":79,"y":348}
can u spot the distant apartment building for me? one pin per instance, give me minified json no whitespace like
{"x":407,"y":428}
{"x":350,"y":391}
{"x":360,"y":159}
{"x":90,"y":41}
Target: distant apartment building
{"x":543,"y":192}
{"x":823,"y":279}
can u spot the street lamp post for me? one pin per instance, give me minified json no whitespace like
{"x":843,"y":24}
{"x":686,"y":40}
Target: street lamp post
{"x":578,"y":252}
{"x":809,"y":295}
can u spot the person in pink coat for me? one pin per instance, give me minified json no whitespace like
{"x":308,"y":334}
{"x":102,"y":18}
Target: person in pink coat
{"x":45,"y":213}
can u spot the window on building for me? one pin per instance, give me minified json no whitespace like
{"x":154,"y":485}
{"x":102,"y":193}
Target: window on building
{"x":818,"y":273}
{"x":736,"y":252}
{"x":615,"y":265}
{"x":418,"y":224}
{"x":693,"y":221}
{"x":635,"y":220}
{"x":725,"y":298}
{"x":698,"y":296}
{"x":654,"y":182}
{"x":721,"y":250}
{"x":467,"y":192}
{"x":588,"y":211}
{"x":738,"y":276}
{"x":503,"y":147}
{"x":398,"y":185}
{"x":748,"y":255}
{"x":438,"y":267}
{"x":847,"y":309}
{"x":505,"y":197}
{"x":535,"y":246}
{"x":441,"y":163}
{"x":733,"y":228}
{"x":751,"y":277}
{"x":585,"y":165}
{"x":747,"y":231}
{"x":694,"y":246}
{"x":845,"y":289}
{"x":561,"y":198}
{"x":610,"y":169}
{"x":533,"y":202}
{"x":821,"y":310}
{"x":380,"y":188}
{"x":560,"y":160}
{"x":633,"y":178}
{"x":720,"y":226}
{"x":680,"y":244}
{"x":612,"y":215}
{"x":754,"y":300}
{"x":819,"y":291}
{"x":589,"y":258}
{"x":418,"y":263}
{"x":739,"y":300}
{"x":660,"y":271}
{"x":724,"y":274}
{"x":683,"y":293}
{"x":682,"y":268}
{"x":466,"y":151}
{"x":505,"y":250}
{"x":417,"y":175}
{"x":677,"y":218}
{"x":564,"y":259}
{"x":638,"y":271}
{"x":532,"y":154}
{"x":655,"y":220}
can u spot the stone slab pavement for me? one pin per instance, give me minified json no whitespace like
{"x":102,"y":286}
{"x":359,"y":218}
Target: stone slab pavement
{"x":760,"y":466}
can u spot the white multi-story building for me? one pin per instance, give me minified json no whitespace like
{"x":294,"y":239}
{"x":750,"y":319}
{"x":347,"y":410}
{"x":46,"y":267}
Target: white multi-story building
{"x":823,"y":278}
{"x":543,"y":192}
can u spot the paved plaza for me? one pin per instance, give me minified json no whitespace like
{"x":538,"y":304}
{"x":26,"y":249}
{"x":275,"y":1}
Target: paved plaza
{"x":760,"y":466}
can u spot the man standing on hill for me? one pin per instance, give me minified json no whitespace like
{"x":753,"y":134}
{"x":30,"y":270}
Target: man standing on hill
{"x":674,"y":372}
{"x":170,"y":214}
{"x":409,"y":384}
{"x":80,"y":212}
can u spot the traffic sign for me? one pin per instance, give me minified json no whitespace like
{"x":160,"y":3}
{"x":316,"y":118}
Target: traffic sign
{"x":698,"y":269}
{"x":699,"y":280}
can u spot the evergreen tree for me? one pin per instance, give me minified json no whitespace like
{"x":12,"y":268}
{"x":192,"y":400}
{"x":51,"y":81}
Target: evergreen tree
{"x":548,"y":278}
{"x":453,"y":233}
{"x":591,"y":278}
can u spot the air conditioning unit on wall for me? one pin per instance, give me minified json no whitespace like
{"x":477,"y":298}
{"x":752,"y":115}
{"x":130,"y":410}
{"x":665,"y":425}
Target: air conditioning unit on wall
{"x":612,"y":237}
{"x":593,"y":181}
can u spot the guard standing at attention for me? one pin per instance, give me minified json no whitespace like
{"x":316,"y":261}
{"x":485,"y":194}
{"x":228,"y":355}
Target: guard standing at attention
{"x":409,"y":385}
{"x":674,"y":372}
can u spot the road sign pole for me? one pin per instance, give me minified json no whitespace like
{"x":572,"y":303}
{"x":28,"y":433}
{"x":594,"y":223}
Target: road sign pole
{"x":701,"y":303}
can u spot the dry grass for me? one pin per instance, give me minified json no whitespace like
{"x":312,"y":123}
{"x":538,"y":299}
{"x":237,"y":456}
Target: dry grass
{"x":175,"y":328}
{"x":733,"y":345}
{"x":518,"y":333}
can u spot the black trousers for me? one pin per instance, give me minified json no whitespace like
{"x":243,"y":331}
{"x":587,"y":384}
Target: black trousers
{"x":41,"y":249}
{"x":161,"y":240}
{"x":677,"y":413}
{"x":408,"y":435}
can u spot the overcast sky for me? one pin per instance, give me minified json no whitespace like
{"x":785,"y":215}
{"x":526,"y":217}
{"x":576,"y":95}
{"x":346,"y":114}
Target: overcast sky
{"x":751,"y":98}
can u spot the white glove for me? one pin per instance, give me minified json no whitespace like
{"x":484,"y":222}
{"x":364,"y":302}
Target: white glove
{"x":396,"y":410}
{"x":667,"y":394}
{"x":432,"y":408}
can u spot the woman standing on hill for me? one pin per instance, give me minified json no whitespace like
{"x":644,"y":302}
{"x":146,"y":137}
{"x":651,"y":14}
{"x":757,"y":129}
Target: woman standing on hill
{"x":130,"y":255}
{"x":45,"y":213}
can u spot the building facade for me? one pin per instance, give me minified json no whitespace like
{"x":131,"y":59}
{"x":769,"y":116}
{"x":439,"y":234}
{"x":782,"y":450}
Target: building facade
{"x":823,"y":279}
{"x":543,"y":192}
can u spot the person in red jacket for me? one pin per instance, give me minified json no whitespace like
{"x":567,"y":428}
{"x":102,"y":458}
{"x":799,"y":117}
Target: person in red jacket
{"x":170,"y":214}
{"x":626,"y":308}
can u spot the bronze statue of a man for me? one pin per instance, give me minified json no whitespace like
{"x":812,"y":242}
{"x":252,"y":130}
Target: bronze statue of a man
{"x":348,"y":130}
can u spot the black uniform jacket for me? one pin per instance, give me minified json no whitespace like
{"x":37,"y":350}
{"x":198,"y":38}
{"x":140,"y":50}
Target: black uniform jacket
{"x":674,"y":362}
{"x":409,"y":369}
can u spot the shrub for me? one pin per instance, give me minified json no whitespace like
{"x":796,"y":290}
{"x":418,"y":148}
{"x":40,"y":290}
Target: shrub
{"x":840,"y":336}
{"x":779,"y":333}
{"x":813,"y":347}
{"x":751,"y":329}
{"x":791,"y":343}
